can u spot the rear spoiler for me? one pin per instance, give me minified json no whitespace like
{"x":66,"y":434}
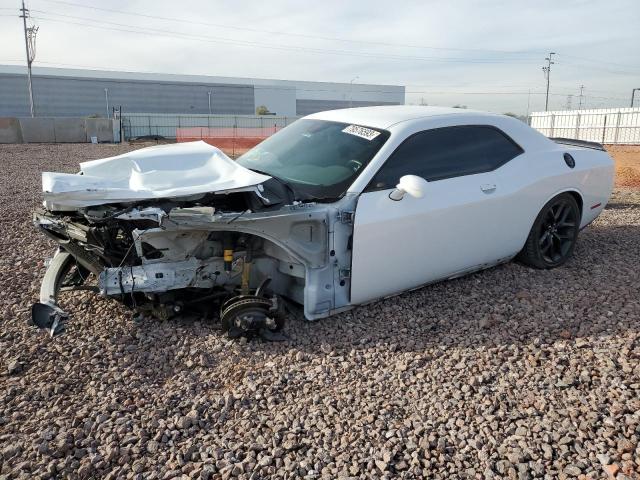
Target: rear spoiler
{"x":577,"y":143}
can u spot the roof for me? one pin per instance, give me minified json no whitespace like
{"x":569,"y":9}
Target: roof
{"x":385,"y":116}
{"x":182,"y":78}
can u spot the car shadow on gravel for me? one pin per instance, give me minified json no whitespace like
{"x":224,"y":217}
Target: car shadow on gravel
{"x":594,"y":295}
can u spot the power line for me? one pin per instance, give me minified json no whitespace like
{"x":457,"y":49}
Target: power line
{"x":596,"y":61}
{"x":246,"y":43}
{"x":599,"y":68}
{"x":294,"y":34}
{"x":186,"y":36}
{"x":337,"y":39}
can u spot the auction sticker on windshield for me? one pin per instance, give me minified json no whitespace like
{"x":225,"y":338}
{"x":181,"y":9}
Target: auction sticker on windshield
{"x":361,"y":132}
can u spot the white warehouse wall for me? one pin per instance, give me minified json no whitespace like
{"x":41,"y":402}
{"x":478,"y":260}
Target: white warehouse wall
{"x":279,"y":100}
{"x":57,"y":93}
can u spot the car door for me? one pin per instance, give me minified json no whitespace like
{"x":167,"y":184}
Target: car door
{"x":461,"y":223}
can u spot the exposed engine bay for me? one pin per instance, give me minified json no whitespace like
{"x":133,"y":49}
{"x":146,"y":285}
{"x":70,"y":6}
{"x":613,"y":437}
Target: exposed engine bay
{"x":244,"y":255}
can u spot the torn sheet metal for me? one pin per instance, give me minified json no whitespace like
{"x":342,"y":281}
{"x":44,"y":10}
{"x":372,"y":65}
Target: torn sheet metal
{"x":164,"y":171}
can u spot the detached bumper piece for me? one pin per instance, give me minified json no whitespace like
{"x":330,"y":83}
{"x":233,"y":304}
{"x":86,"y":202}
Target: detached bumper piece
{"x":48,"y":317}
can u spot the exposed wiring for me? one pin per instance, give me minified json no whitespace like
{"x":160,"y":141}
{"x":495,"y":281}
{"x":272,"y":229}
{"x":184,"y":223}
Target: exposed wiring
{"x":238,"y":216}
{"x":127,"y":253}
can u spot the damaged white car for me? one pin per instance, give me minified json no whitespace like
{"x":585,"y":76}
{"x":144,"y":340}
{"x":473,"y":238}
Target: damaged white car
{"x":339,"y":209}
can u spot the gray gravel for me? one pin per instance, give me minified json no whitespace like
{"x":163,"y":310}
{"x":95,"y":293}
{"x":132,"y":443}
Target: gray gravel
{"x":509,"y":373}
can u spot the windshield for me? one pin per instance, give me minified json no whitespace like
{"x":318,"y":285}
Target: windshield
{"x":317,"y":158}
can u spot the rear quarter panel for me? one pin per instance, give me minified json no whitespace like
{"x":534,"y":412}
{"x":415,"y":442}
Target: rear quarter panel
{"x":532,"y":179}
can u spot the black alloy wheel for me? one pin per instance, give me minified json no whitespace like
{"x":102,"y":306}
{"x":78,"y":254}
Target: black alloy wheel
{"x":553,"y":236}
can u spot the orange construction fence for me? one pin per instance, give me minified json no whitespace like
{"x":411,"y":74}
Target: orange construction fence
{"x":232,"y":140}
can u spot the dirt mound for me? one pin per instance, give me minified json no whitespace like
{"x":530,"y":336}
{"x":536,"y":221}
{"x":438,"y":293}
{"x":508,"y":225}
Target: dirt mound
{"x":627,"y":159}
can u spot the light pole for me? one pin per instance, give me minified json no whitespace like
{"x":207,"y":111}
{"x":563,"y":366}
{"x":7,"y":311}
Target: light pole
{"x":106,"y":100}
{"x":633,"y":94}
{"x":209,"y":95}
{"x":547,"y":73}
{"x":351,"y":91}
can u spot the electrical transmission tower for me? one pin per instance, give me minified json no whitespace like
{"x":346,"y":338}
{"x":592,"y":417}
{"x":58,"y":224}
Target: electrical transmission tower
{"x":569,"y":102}
{"x":581,"y":97}
{"x":30,"y":45}
{"x":547,"y":75}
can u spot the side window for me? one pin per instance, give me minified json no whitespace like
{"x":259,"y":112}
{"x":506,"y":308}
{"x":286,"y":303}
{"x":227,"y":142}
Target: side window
{"x":447,"y":152}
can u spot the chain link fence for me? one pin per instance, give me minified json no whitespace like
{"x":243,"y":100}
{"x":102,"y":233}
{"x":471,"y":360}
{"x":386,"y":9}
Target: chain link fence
{"x":171,"y":126}
{"x":234,"y":134}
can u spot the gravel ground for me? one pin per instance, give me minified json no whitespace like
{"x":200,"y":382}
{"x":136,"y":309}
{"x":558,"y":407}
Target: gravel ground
{"x":509,"y":373}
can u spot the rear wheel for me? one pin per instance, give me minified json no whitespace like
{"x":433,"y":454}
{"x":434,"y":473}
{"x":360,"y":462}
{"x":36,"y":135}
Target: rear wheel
{"x":552,"y":238}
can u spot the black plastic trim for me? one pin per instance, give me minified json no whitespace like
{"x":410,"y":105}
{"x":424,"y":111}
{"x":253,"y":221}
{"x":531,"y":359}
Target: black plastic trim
{"x":578,"y":143}
{"x":569,"y":160}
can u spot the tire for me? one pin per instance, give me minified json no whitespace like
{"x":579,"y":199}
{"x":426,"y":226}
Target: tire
{"x":553,"y":235}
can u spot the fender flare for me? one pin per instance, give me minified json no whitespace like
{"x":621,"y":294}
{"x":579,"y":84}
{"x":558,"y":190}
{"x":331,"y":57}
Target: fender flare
{"x":573,"y":191}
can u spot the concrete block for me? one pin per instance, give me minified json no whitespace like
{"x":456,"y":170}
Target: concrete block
{"x":70,"y":130}
{"x":10,"y":131}
{"x":99,"y":127}
{"x":38,"y":130}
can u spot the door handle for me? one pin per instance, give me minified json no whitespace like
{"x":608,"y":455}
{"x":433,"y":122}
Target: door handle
{"x":488,"y":187}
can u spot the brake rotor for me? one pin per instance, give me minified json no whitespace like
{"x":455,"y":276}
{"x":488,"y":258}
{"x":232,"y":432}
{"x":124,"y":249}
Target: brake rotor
{"x":249,"y":315}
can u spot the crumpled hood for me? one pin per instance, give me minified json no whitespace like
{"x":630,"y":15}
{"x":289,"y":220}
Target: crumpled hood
{"x":164,"y":171}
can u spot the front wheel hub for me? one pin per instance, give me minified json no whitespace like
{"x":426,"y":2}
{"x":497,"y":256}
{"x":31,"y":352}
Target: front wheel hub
{"x":250,"y":316}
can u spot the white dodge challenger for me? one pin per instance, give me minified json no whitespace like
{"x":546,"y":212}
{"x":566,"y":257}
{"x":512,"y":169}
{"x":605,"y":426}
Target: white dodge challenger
{"x":338,"y":209}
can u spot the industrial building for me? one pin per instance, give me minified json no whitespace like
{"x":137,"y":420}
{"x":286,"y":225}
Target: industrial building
{"x":72,"y":92}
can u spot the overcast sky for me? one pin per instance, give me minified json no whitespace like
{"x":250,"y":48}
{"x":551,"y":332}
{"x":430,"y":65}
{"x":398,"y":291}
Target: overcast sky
{"x":484,"y":54}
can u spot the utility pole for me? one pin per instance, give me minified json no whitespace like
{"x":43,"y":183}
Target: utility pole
{"x":633,"y":94}
{"x":547,"y":74}
{"x":106,"y":100}
{"x":209,"y":95}
{"x":30,"y":44}
{"x":581,"y":97}
{"x":351,"y":91}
